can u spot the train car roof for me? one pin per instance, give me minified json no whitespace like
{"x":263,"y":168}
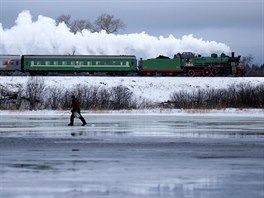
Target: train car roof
{"x":9,"y":56}
{"x":81,"y":56}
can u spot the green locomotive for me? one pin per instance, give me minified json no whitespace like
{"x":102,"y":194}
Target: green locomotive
{"x":189,"y":64}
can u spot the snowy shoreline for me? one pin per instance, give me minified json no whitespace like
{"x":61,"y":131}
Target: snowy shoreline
{"x":213,"y":112}
{"x":155,"y":89}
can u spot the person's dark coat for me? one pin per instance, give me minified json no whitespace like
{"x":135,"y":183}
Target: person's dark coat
{"x":76,"y":105}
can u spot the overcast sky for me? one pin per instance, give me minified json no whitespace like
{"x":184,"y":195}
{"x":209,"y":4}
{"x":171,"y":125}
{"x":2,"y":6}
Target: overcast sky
{"x":237,"y":23}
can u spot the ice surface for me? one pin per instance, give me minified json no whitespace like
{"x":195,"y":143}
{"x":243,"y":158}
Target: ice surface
{"x":132,"y":155}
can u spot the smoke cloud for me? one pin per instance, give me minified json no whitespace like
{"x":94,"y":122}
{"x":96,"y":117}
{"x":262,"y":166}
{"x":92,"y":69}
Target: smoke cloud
{"x":43,"y":36}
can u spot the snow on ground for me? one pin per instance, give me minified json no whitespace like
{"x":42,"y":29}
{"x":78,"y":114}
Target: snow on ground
{"x":156,"y":89}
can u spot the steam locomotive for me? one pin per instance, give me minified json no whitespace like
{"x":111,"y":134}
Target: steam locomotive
{"x":182,"y":64}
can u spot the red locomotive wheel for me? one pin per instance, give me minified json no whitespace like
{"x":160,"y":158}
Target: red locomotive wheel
{"x":191,"y":73}
{"x":206,"y":72}
{"x":216,"y":72}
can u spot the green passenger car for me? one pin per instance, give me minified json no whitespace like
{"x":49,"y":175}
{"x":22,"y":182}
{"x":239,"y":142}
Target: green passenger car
{"x":78,"y":63}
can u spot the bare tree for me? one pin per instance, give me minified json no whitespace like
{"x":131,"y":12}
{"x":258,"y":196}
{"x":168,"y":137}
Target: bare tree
{"x":246,"y":62}
{"x":79,"y":25}
{"x":76,"y":25}
{"x":34,"y":92}
{"x":108,"y":23}
{"x":54,"y":96}
{"x":64,"y":18}
{"x":121,"y":98}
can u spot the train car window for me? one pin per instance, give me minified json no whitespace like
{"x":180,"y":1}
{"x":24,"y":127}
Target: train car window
{"x":114,"y":62}
{"x":31,"y":62}
{"x":47,"y":62}
{"x":56,"y":62}
{"x":81,"y":63}
{"x":72,"y":62}
{"x":38,"y":62}
{"x":127,"y":63}
{"x":132,"y":63}
{"x":97,"y":62}
{"x":64,"y":62}
{"x":121,"y":63}
{"x":89,"y":63}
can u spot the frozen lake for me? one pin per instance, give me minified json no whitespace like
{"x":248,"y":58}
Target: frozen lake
{"x":122,"y":155}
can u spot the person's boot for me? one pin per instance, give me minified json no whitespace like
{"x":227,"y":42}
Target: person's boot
{"x":83,"y":121}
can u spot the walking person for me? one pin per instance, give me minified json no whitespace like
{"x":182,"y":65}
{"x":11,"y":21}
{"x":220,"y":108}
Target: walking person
{"x":76,"y":111}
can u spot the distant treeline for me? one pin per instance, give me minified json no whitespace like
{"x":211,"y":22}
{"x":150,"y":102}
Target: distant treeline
{"x":252,"y":70}
{"x":255,"y":71}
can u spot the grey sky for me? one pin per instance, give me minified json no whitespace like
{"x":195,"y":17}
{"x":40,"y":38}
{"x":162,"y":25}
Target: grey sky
{"x":237,"y":23}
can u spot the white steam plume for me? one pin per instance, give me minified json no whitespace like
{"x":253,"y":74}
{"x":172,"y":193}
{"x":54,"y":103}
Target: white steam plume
{"x":45,"y":37}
